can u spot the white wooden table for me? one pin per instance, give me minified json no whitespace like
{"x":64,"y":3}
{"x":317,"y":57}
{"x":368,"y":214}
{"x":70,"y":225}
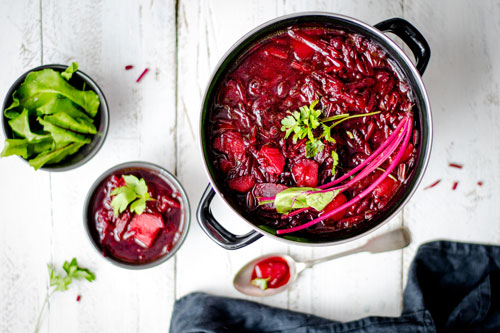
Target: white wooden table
{"x":156,"y":120}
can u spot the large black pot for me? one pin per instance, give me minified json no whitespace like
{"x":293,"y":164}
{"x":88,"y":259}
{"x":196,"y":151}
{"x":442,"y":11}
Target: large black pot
{"x":421,"y":51}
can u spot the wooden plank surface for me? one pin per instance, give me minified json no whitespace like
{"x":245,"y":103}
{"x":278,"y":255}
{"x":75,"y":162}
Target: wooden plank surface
{"x":156,"y":120}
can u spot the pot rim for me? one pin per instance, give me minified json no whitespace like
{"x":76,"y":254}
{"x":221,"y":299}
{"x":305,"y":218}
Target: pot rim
{"x":162,"y":172}
{"x":389,"y":43}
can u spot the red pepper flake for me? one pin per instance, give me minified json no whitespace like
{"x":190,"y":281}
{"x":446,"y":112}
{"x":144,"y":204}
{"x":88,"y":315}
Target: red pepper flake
{"x":433,"y":184}
{"x":128,"y":67}
{"x":455,"y":165}
{"x":455,"y":184}
{"x":78,"y":298}
{"x":480,"y":183}
{"x":143,"y":73}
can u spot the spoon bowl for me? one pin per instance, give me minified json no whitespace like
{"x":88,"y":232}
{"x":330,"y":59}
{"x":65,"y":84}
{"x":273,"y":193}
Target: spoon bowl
{"x":392,"y":240}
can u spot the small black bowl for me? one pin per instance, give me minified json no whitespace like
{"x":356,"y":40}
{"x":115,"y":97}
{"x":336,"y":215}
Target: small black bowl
{"x":171,"y":180}
{"x":101,"y":120}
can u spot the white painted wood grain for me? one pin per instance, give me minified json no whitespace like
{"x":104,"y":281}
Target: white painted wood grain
{"x":156,"y":120}
{"x":104,"y":37}
{"x":463,"y":80}
{"x":25,"y":218}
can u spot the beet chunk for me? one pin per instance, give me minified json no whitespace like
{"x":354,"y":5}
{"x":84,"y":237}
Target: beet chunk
{"x":305,"y":173}
{"x":230,"y":143}
{"x":267,"y":190}
{"x":340,"y":199}
{"x":145,"y":227}
{"x":242,"y":184}
{"x":271,"y":159}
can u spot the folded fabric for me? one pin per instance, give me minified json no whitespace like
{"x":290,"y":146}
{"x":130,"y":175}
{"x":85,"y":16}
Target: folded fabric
{"x":452,"y":287}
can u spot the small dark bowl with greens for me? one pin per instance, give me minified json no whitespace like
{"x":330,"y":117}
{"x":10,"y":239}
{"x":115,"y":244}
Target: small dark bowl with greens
{"x":55,"y":117}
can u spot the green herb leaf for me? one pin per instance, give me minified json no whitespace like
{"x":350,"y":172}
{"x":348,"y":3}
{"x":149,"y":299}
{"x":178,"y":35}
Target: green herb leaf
{"x":74,"y":271}
{"x":291,"y":198}
{"x":135,"y":193}
{"x":335,"y":157}
{"x":60,"y":282}
{"x":21,"y":126}
{"x":66,"y":121}
{"x":260,"y":282}
{"x":15,"y":147}
{"x":68,"y":73}
{"x":313,"y":147}
{"x":41,"y":87}
{"x":55,"y":156}
{"x":320,"y":200}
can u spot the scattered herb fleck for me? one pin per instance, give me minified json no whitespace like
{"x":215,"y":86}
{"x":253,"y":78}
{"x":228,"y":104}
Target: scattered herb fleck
{"x":433,"y":184}
{"x":260,"y":282}
{"x":142,"y":75}
{"x":349,"y":135}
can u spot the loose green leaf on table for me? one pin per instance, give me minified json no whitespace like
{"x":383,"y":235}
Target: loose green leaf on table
{"x":60,"y":282}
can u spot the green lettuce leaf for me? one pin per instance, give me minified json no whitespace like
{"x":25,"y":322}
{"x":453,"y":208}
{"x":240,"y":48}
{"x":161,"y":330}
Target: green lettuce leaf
{"x":41,"y":87}
{"x":68,"y":73}
{"x":21,"y":126}
{"x":64,"y":120}
{"x":15,"y":147}
{"x":62,"y":136}
{"x":62,"y":104}
{"x":54,"y":156}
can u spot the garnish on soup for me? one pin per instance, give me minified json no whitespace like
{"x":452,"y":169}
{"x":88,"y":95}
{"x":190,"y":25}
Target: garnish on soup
{"x":50,"y":119}
{"x":270,"y":273}
{"x":137,"y":216}
{"x":337,"y":159}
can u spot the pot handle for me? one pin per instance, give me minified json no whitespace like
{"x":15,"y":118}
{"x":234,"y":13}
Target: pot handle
{"x":217,"y":232}
{"x":412,"y":37}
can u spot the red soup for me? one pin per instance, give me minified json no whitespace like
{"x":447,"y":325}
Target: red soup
{"x":134,"y":235}
{"x":268,"y":127}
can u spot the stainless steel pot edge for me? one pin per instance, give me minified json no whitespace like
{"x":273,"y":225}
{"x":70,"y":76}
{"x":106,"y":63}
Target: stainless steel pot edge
{"x":425,"y":153}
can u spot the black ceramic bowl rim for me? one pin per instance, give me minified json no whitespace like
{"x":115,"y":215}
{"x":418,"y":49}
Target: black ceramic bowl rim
{"x":102,"y":116}
{"x":403,"y":61}
{"x":165,"y":175}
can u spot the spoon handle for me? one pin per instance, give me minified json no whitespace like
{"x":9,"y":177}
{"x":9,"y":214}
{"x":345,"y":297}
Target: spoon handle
{"x":392,"y":240}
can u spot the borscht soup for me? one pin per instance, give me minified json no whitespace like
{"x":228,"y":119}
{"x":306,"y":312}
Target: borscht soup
{"x":312,"y":131}
{"x":136,"y":216}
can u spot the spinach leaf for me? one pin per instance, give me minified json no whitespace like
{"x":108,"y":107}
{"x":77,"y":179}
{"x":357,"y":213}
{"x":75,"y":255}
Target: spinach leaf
{"x":299,"y":197}
{"x":55,"y":156}
{"x":41,"y":87}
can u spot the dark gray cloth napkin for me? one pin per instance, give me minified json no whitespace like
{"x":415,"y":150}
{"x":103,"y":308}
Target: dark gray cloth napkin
{"x":452,"y":287}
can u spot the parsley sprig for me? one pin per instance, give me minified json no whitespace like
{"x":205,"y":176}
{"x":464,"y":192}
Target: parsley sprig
{"x":135,"y":192}
{"x":60,"y":282}
{"x":302,"y":124}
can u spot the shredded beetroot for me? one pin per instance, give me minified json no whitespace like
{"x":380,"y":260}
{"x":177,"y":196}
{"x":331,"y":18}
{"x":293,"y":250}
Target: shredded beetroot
{"x":78,"y":298}
{"x":454,"y":165}
{"x":455,"y":184}
{"x":142,"y":75}
{"x":480,"y":183}
{"x":128,"y":67}
{"x":433,"y":184}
